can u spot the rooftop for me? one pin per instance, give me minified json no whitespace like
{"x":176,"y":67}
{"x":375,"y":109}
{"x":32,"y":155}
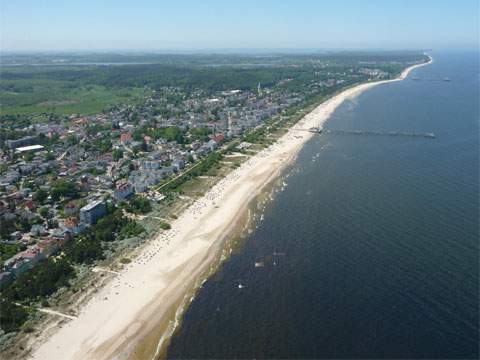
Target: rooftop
{"x":29,"y":148}
{"x":92,"y":205}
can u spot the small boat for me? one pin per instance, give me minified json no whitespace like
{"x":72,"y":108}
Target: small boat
{"x":446,"y":79}
{"x":240,"y":286}
{"x":259,"y":264}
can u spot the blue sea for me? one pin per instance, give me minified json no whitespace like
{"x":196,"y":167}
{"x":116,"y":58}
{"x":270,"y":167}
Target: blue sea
{"x":372,"y":249}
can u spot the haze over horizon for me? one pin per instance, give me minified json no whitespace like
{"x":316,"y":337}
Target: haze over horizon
{"x":216,"y":25}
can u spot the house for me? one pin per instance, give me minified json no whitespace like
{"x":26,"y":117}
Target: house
{"x":212,"y":145}
{"x":125,"y":138}
{"x":90,"y":213}
{"x":70,"y":209}
{"x":193,"y":154}
{"x":140,"y":185}
{"x":30,"y":205}
{"x":61,"y":234}
{"x":23,"y":261}
{"x":9,"y":177}
{"x":25,"y":141}
{"x":38,"y":230}
{"x":196,"y":145}
{"x":178,"y":164}
{"x":16,"y":235}
{"x":26,"y":215}
{"x":203,"y":150}
{"x":218,"y":139}
{"x":150,"y":165}
{"x":123,"y":190}
{"x":166,"y":171}
{"x":72,"y":226}
{"x":49,"y":247}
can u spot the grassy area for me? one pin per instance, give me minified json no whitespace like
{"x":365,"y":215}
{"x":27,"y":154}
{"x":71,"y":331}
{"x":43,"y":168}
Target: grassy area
{"x":52,"y":96}
{"x":192,"y":187}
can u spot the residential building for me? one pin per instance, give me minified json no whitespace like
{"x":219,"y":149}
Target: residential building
{"x":90,"y":213}
{"x":123,"y":190}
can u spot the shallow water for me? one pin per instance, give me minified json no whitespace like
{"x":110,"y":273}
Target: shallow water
{"x":371,"y":250}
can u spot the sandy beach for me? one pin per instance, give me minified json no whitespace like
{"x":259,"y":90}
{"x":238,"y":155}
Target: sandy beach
{"x":145,"y":297}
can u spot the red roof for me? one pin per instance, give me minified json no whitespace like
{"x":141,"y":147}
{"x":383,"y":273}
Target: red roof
{"x":218,"y":138}
{"x":125,"y":137}
{"x":123,"y":185}
{"x":30,"y":205}
{"x":30,"y":253}
{"x":71,"y":222}
{"x":71,"y":205}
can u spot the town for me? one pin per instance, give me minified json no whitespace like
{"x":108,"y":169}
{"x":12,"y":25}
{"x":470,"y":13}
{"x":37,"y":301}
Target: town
{"x":75,"y":189}
{"x":60,"y":179}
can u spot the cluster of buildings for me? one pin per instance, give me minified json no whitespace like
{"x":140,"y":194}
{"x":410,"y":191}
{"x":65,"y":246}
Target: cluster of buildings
{"x":44,"y":238}
{"x":106,"y":156}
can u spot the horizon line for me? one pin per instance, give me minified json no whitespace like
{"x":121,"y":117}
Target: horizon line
{"x":218,"y":50}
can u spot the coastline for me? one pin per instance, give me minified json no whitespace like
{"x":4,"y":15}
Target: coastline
{"x":155,"y":288}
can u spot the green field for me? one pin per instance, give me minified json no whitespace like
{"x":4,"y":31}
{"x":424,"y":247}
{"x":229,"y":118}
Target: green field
{"x":52,"y":96}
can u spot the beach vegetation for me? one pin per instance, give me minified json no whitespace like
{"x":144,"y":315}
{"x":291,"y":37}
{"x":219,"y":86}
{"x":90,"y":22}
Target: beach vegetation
{"x":44,"y":279}
{"x":12,"y":316}
{"x":131,"y":229}
{"x":139,"y":205}
{"x":165,"y":226}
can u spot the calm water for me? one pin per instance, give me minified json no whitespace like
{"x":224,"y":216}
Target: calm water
{"x":378,"y":235}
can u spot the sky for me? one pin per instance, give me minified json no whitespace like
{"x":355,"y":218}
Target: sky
{"x":44,"y":25}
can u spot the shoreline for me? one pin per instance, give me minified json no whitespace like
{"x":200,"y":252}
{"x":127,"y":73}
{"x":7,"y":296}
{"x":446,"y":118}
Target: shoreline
{"x":124,"y":318}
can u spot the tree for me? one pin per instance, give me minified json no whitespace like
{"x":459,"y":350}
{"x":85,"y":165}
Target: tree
{"x":85,"y":249}
{"x":11,"y":316}
{"x":49,"y":156}
{"x":173,"y":133}
{"x":43,"y":212}
{"x":200,"y":133}
{"x":40,"y":195}
{"x":117,"y":154}
{"x":63,"y":188}
{"x":7,"y":226}
{"x":72,"y":140}
{"x":131,"y":229}
{"x":139,"y":205}
{"x":28,"y":156}
{"x":44,"y":279}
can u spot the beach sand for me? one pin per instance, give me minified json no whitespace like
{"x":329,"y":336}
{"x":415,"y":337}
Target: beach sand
{"x":148,"y":295}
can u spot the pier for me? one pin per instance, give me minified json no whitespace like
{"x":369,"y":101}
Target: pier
{"x":430,"y":79}
{"x":369,"y":132}
{"x":388,"y":133}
